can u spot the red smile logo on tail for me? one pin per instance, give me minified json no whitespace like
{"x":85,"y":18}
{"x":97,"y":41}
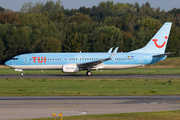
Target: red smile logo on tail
{"x":158,"y":46}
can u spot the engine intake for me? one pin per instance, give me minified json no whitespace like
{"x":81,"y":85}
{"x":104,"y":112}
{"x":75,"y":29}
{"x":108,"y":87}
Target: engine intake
{"x":70,"y":68}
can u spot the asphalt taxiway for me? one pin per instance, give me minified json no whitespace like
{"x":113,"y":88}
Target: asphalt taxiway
{"x":28,"y":107}
{"x":96,"y":76}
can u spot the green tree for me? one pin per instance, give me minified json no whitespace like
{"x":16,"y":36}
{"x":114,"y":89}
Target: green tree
{"x":58,"y":6}
{"x":2,"y":48}
{"x":80,"y":18}
{"x":49,"y":6}
{"x":105,"y":38}
{"x":85,"y":11}
{"x":2,"y":9}
{"x":47,"y":44}
{"x":38,"y":7}
{"x":73,"y":43}
{"x":107,"y":5}
{"x":58,"y":17}
{"x":85,"y":46}
{"x":17,"y":41}
{"x":34,"y":18}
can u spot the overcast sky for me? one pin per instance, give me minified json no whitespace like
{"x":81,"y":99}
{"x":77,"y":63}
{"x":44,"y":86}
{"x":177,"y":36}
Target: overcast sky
{"x":16,"y":5}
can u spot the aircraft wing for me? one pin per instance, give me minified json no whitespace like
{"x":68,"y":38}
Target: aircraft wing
{"x":95,"y":63}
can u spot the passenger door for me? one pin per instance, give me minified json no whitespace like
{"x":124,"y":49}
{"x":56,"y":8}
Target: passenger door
{"x":141,"y":59}
{"x":26,"y":60}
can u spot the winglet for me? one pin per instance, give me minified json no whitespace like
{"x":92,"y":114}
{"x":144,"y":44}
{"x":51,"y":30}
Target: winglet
{"x":113,"y":54}
{"x":110,"y":50}
{"x":115,"y":51}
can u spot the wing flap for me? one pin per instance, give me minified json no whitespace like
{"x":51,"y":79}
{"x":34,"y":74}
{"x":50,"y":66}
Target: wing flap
{"x":94,"y":63}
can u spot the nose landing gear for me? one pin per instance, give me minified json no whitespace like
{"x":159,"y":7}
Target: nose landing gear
{"x":22,"y":74}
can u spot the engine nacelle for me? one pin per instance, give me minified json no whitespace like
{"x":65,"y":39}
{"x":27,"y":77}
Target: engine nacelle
{"x":70,"y":68}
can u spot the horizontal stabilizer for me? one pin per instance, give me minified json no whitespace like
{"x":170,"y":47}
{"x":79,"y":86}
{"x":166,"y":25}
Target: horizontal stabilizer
{"x":169,"y":53}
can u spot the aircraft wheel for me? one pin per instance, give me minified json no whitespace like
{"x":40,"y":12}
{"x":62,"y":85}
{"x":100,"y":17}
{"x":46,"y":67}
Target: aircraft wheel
{"x":22,"y":74}
{"x":88,"y":73}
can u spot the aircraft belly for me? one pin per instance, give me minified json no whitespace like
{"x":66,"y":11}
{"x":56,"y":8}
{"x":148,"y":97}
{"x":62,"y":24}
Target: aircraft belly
{"x":115,"y":67}
{"x":59,"y":67}
{"x":37,"y":67}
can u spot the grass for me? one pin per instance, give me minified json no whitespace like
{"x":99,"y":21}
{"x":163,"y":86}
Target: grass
{"x":86,"y":87}
{"x":164,"y":115}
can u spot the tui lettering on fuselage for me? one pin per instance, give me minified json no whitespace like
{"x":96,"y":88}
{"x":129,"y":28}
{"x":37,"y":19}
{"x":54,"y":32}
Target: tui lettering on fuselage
{"x":39,"y":60}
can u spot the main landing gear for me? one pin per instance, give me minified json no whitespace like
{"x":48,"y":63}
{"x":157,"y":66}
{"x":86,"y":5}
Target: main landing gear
{"x":88,"y":73}
{"x":22,"y":74}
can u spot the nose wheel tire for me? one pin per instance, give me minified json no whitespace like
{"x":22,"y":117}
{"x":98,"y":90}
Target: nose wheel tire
{"x":88,"y":73}
{"x":22,"y":74}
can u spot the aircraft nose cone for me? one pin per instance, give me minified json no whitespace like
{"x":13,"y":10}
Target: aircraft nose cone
{"x":7,"y":63}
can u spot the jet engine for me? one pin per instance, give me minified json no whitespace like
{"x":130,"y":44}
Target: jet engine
{"x":70,"y":68}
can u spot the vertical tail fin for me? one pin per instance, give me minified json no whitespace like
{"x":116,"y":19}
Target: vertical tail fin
{"x":158,"y":43}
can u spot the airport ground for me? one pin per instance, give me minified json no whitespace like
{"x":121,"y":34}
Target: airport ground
{"x":31,"y":107}
{"x":30,"y":98}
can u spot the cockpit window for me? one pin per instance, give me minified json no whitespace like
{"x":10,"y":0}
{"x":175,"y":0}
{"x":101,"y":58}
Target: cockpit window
{"x":15,"y":58}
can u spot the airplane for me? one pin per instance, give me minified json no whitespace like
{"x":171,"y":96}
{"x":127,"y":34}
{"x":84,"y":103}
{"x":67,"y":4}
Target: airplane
{"x":153,"y":52}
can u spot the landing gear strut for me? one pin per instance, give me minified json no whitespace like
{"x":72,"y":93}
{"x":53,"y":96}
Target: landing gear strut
{"x":88,"y":73}
{"x":22,"y":74}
